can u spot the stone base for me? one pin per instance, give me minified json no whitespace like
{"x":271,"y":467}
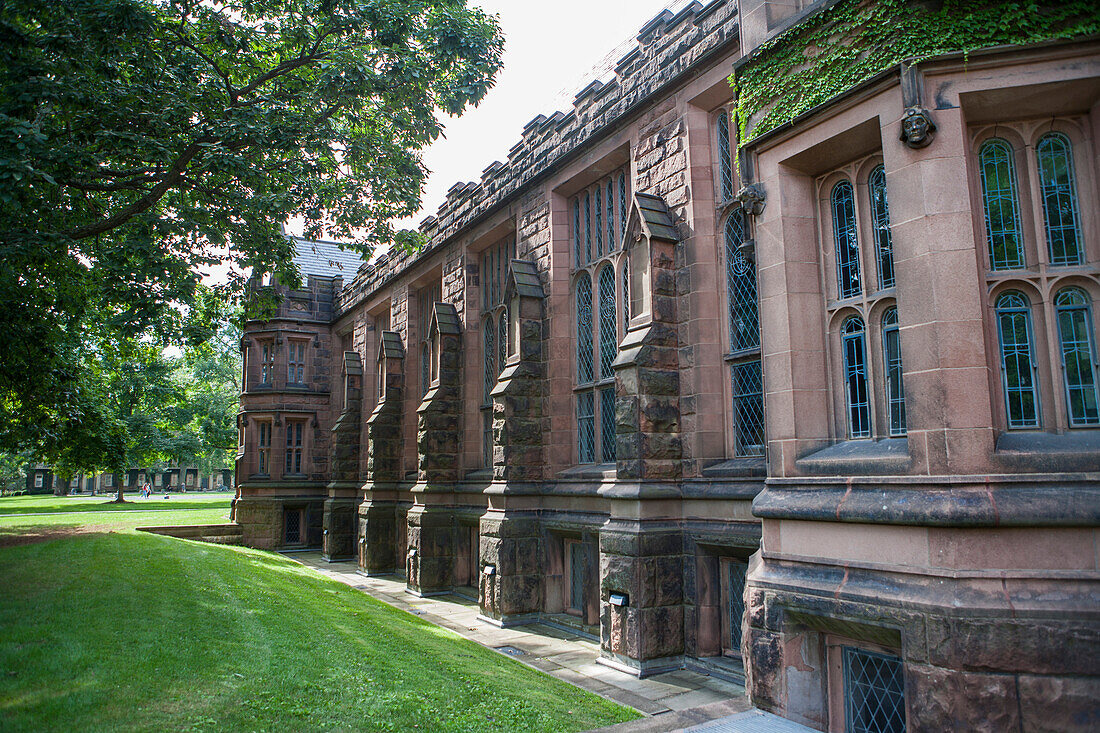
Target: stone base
{"x":340,"y":530}
{"x":262,"y":521}
{"x":976,"y":655}
{"x":510,"y":621}
{"x":643,"y":669}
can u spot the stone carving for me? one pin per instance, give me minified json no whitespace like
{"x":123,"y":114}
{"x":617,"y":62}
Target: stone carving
{"x":752,"y":199}
{"x":917,"y":128}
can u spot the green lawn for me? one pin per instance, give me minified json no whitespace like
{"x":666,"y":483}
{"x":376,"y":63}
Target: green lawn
{"x":130,"y":631}
{"x":46,"y":504}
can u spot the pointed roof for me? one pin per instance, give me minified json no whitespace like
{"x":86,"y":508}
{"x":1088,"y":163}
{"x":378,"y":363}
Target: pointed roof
{"x":391,"y":346}
{"x":524,"y":280}
{"x":445,"y":318}
{"x":657,"y":221}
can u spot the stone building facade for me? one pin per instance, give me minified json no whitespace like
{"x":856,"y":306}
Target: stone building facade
{"x":815,"y":409}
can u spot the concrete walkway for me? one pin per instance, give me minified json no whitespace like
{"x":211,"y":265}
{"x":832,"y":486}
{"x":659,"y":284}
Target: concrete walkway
{"x":671,"y":701}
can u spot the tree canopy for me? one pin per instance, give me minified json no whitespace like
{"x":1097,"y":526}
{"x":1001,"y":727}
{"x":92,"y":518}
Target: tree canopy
{"x":143,"y":142}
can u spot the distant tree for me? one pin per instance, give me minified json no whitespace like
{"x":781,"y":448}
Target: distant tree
{"x":13,"y":471}
{"x":144,"y":141}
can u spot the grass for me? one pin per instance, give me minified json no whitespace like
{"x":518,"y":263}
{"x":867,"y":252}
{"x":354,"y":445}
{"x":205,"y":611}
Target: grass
{"x":129,"y":631}
{"x":44,"y":504}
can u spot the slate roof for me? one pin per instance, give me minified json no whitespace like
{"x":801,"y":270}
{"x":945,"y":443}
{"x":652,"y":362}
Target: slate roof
{"x":391,"y":346}
{"x":326,"y":259}
{"x":525,"y":279}
{"x":657,"y":220}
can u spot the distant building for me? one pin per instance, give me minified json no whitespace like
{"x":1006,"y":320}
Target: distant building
{"x":41,"y":479}
{"x":816,"y":408}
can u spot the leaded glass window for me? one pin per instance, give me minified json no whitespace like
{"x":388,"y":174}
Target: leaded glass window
{"x":427,"y":297}
{"x":622,"y":205}
{"x":748,"y":408}
{"x":725,"y":160}
{"x":584,"y":330}
{"x":612,"y":243}
{"x":294,"y":447}
{"x":599,"y":222}
{"x":846,"y":240}
{"x":578,"y":251}
{"x":1002,"y":208}
{"x":586,"y":429}
{"x":1075,"y":334}
{"x":296,"y":362}
{"x":1059,"y":188}
{"x":609,"y":342}
{"x":855,"y":376}
{"x":895,"y":389}
{"x":874,"y":692}
{"x":880,"y":222}
{"x":502,"y":341}
{"x":587,"y":228}
{"x":267,"y":362}
{"x":735,"y":590}
{"x":744,"y":318}
{"x":1017,"y":364}
{"x":607,"y":423}
{"x":263,"y":446}
{"x":597,"y":324}
{"x":488,"y":333}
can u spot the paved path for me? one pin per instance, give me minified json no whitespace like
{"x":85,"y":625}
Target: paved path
{"x":672,"y":701}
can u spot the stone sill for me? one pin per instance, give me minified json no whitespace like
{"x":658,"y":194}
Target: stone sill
{"x":860,"y":457}
{"x":737,"y":468}
{"x":1034,"y":451}
{"x":606,"y":471}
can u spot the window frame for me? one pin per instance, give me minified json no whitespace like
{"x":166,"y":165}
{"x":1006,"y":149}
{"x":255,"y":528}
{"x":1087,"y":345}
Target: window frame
{"x":494,"y":266}
{"x":294,"y":455}
{"x":297,"y":348}
{"x":743,"y":356}
{"x":597,"y":337}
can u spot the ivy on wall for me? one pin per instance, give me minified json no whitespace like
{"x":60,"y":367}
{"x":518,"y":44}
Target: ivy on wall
{"x":837,"y":48}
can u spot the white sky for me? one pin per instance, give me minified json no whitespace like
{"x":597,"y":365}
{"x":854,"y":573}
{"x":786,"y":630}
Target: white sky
{"x":549,"y":55}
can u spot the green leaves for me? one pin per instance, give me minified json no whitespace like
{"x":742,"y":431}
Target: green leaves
{"x":142,"y":141}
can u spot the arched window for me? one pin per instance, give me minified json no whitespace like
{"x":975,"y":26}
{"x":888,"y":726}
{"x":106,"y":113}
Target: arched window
{"x":626,"y":292}
{"x":895,"y":389}
{"x":855,"y":375}
{"x":1078,"y":357}
{"x":1002,"y":208}
{"x":1017,"y":364}
{"x":585,"y":371}
{"x":741,"y":285}
{"x":744,"y":330}
{"x":847,"y":241}
{"x":1059,"y":188}
{"x":725,"y":160}
{"x":880,"y":221}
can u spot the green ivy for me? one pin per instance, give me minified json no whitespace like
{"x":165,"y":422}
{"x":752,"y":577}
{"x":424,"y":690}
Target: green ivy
{"x":841,"y":46}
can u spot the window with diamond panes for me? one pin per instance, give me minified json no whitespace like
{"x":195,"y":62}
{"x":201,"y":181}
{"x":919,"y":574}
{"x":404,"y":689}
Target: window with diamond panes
{"x":725,"y":159}
{"x":1001,"y":203}
{"x":575,"y":551}
{"x":855,"y":375}
{"x":292,"y":526}
{"x":1058,"y":185}
{"x":294,"y":446}
{"x":895,"y":389}
{"x":599,"y":211}
{"x":880,"y":222}
{"x":426,"y":299}
{"x":1075,"y":335}
{"x":744,"y":335}
{"x":846,"y":239}
{"x":1018,"y":370}
{"x":874,"y":692}
{"x":735,"y":572}
{"x":493,"y":265}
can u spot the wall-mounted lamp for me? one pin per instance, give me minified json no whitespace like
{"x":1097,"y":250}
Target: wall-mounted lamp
{"x":490,"y":570}
{"x":619,"y":599}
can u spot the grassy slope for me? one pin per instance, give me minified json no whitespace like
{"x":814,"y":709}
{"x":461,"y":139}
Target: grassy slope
{"x":131,"y":631}
{"x":46,"y":504}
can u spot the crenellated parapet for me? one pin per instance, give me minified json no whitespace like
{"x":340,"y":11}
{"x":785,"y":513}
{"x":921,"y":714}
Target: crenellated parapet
{"x":667,"y":48}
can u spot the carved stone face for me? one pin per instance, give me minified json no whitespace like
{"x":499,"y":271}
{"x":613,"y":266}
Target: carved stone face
{"x":917,"y":127}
